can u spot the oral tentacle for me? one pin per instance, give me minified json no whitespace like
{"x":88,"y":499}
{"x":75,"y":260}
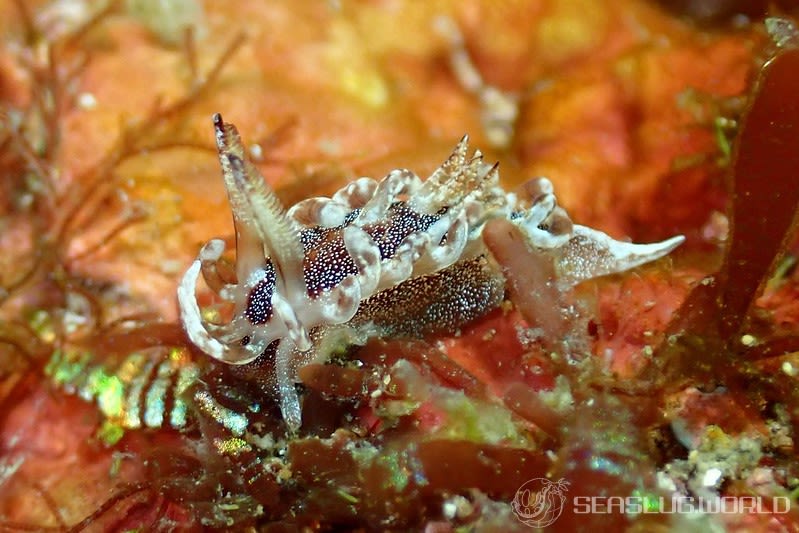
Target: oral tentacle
{"x":192,"y":320}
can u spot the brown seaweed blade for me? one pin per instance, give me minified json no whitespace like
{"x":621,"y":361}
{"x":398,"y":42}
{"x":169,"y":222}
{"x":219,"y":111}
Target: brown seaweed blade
{"x":765,"y":189}
{"x":763,"y":221}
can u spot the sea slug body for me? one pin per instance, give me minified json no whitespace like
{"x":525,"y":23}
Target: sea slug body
{"x":395,"y":256}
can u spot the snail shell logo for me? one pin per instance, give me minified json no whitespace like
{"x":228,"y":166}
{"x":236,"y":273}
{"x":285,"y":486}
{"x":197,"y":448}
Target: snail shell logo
{"x":539,"y":502}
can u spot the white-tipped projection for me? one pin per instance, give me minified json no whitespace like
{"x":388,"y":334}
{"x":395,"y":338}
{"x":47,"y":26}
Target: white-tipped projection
{"x":591,"y":253}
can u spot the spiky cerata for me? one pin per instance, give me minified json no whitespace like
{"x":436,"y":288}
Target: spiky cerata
{"x":395,"y":255}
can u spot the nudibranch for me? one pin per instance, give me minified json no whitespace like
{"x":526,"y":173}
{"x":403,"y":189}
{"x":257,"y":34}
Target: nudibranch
{"x":399,"y":256}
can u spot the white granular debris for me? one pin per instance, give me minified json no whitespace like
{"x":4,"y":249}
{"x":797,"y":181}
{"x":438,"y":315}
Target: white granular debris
{"x":457,"y":507}
{"x":87,"y":101}
{"x":711,"y":477}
